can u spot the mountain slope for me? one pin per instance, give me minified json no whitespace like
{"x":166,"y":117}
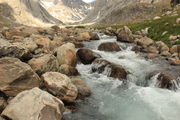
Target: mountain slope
{"x":68,"y":11}
{"x":124,"y":11}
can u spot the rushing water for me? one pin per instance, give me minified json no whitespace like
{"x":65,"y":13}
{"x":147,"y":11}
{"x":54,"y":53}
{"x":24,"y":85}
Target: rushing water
{"x":139,"y":99}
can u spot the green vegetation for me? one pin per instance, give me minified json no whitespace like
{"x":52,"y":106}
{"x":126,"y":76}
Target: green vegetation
{"x":156,"y":28}
{"x":76,"y":26}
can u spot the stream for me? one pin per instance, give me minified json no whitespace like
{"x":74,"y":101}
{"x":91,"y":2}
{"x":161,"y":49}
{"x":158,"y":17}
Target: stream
{"x":138,"y":99}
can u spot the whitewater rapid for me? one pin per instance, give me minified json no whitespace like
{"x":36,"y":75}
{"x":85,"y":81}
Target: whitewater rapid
{"x":138,"y":99}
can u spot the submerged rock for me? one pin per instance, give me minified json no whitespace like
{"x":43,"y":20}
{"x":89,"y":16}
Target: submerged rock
{"x":60,"y":86}
{"x":110,"y":69}
{"x":16,"y":76}
{"x":109,"y":46}
{"x":87,"y":56}
{"x":34,"y":104}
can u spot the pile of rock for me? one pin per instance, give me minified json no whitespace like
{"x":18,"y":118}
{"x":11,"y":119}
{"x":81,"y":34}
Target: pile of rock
{"x":38,"y":72}
{"x":147,"y":45}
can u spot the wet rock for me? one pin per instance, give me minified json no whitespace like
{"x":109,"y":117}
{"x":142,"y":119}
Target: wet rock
{"x":16,"y":76}
{"x":3,"y":104}
{"x":83,"y":90}
{"x":10,"y":50}
{"x":87,"y":56}
{"x":66,"y":54}
{"x":34,"y":104}
{"x":110,"y":69}
{"x":60,"y":86}
{"x":165,"y":80}
{"x":144,"y":41}
{"x":84,"y":36}
{"x":125,"y":35}
{"x":109,"y":46}
{"x":94,"y":36}
{"x":68,"y":70}
{"x":44,"y":63}
{"x":174,"y":61}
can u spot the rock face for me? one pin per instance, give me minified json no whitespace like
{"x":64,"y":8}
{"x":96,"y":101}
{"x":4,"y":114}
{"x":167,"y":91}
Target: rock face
{"x":83,"y":90}
{"x":87,"y":56}
{"x":110,"y":69}
{"x":60,"y":85}
{"x":10,"y":50}
{"x":34,"y":104}
{"x":109,"y":46}
{"x":66,"y":54}
{"x":125,"y":35}
{"x":45,"y":63}
{"x":16,"y":76}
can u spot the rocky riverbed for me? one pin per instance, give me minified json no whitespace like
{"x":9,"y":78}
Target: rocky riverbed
{"x":76,"y":74}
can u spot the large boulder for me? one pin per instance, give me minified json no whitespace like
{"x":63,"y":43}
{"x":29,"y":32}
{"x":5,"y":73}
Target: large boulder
{"x":60,"y":86}
{"x":34,"y":104}
{"x":83,"y":89}
{"x":83,"y":36}
{"x":44,"y":63}
{"x":12,"y":50}
{"x":16,"y":76}
{"x":125,"y":35}
{"x":66,"y":54}
{"x":109,"y":46}
{"x":94,"y":36}
{"x":87,"y":56}
{"x":110,"y":69}
{"x":167,"y":81}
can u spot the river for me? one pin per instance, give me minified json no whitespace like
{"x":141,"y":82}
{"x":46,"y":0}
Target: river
{"x":138,"y":99}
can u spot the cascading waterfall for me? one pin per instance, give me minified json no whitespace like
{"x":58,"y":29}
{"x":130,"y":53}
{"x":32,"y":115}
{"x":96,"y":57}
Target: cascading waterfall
{"x":138,"y":99}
